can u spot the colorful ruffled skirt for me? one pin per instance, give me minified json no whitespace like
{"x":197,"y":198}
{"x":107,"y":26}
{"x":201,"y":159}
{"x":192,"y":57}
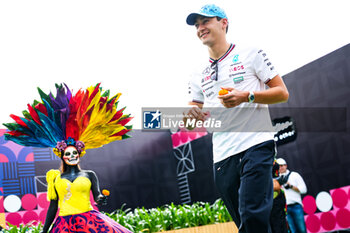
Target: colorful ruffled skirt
{"x":91,"y":222}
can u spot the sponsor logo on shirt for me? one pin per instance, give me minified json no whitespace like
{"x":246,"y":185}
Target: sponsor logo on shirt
{"x":238,"y":79}
{"x":209,"y":94}
{"x":239,"y":73}
{"x":261,"y":51}
{"x":268,"y":63}
{"x":236,"y":68}
{"x":236,"y":63}
{"x":208,"y":88}
{"x":207,"y":71}
{"x":235,"y":58}
{"x":207,"y":75}
{"x":207,"y":83}
{"x":205,"y":79}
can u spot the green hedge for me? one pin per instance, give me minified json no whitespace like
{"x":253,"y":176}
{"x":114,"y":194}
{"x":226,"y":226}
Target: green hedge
{"x":168,"y":217}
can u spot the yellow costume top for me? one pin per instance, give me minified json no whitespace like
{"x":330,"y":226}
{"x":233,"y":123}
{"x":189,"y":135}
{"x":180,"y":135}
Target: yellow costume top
{"x":73,"y":197}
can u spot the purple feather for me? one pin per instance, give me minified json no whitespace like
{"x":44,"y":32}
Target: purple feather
{"x":69,"y":93}
{"x":60,"y":104}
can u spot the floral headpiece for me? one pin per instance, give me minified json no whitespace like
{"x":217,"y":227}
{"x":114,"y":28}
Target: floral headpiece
{"x":62,"y":145}
{"x":86,"y":120}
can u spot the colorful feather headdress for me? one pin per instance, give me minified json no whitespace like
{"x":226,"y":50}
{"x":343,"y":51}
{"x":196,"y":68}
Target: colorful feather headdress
{"x":88,"y":119}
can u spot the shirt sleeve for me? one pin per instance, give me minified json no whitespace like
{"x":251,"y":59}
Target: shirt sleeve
{"x":300,"y":184}
{"x":194,"y":91}
{"x":263,"y":66}
{"x":50,"y":178}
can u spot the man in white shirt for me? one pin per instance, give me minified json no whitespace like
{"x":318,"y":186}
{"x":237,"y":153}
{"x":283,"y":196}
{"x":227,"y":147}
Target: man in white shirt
{"x":243,"y":155}
{"x":293,"y":189}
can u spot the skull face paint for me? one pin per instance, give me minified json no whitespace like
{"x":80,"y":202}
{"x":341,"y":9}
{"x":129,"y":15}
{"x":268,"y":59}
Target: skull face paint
{"x":71,"y":156}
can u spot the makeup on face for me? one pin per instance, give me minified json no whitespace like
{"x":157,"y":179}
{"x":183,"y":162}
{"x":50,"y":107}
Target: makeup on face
{"x":71,"y":156}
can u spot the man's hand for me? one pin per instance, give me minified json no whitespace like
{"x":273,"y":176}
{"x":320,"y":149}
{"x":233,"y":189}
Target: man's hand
{"x":233,"y":98}
{"x":282,"y":179}
{"x":195,"y":112}
{"x":288,"y":186}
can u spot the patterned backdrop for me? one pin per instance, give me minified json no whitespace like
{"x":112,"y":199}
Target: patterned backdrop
{"x":19,"y":202}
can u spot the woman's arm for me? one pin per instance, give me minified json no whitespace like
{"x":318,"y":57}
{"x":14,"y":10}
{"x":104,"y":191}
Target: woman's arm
{"x":50,"y":216}
{"x":95,"y":188}
{"x":53,"y":197}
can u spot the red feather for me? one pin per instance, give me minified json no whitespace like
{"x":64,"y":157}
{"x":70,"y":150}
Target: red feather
{"x":117,"y":115}
{"x":121,"y":132}
{"x":86,"y":119}
{"x":111,"y":104}
{"x":34,"y":114}
{"x":72,"y":128}
{"x":102,"y":102}
{"x":16,"y":133}
{"x":41,"y":108}
{"x":77,"y":101}
{"x":125,"y":121}
{"x":94,"y":92}
{"x":19,"y":120}
{"x":84,"y":104}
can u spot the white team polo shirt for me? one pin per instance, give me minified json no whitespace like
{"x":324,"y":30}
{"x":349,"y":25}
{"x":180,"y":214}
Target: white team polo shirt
{"x":245,"y":69}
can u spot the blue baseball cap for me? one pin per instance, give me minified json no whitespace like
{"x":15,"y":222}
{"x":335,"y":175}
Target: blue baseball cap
{"x":209,"y":10}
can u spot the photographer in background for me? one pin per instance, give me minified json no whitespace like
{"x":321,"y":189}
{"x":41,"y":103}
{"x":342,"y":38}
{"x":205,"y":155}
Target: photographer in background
{"x":293,"y":188}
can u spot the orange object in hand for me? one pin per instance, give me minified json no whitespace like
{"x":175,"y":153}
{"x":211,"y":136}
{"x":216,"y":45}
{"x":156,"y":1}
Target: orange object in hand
{"x":105,"y":192}
{"x":223,"y":92}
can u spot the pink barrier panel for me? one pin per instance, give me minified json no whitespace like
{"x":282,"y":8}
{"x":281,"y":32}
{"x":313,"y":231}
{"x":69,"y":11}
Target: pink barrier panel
{"x":182,"y":137}
{"x":338,"y":218}
{"x":35,"y":209}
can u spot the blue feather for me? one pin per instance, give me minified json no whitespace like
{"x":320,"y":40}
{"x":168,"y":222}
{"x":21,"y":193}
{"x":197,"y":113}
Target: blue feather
{"x":24,"y":140}
{"x":40,"y":134}
{"x":49,"y":109}
{"x":51,"y":128}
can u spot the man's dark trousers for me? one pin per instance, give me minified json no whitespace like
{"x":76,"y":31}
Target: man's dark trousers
{"x":245,"y":183}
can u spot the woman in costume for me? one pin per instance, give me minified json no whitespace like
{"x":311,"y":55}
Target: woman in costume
{"x":70,"y":125}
